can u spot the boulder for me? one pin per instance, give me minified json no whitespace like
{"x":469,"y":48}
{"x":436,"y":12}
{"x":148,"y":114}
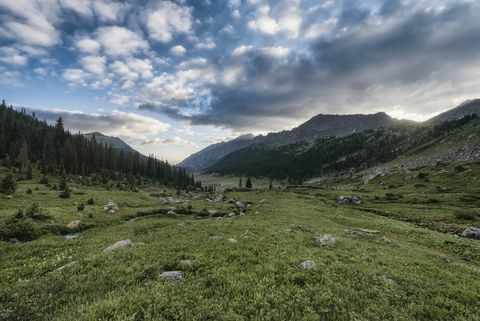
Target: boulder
{"x":71,"y":236}
{"x":215,"y":237}
{"x":240,"y":204}
{"x":349,"y":200}
{"x":232,"y":240}
{"x":14,"y":240}
{"x":219,"y":198}
{"x":307,"y":265}
{"x":232,"y":214}
{"x":212,"y":212}
{"x":110,"y":208}
{"x":263,"y":201}
{"x":472,"y":233}
{"x":172,"y":276}
{"x":171,"y":213}
{"x":73,"y":225}
{"x":118,"y":245}
{"x":185,"y":262}
{"x":325,"y":240}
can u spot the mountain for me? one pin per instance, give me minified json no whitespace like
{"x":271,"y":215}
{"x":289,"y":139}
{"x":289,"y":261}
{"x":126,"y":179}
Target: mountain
{"x":115,"y":142}
{"x":318,"y":126}
{"x":464,"y":109}
{"x":358,"y":151}
{"x":209,"y":155}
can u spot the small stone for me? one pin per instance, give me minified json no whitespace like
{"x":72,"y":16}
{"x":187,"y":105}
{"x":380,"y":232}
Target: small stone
{"x":307,"y":265}
{"x":118,"y":245}
{"x":263,"y":201}
{"x":172,"y":276}
{"x":110,"y":208}
{"x":232,"y":240}
{"x":73,"y":225}
{"x":301,"y":227}
{"x":472,"y":233}
{"x":171,"y":213}
{"x":71,"y":236}
{"x":212,"y":212}
{"x":240,"y":204}
{"x":325,"y":240}
{"x":215,"y":237}
{"x":185,"y":262}
{"x":14,"y":240}
{"x":349,"y":200}
{"x":231,"y":214}
{"x":65,"y":266}
{"x":386,"y":239}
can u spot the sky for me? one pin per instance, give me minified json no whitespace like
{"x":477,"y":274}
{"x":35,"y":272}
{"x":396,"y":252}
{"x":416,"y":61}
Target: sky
{"x":171,"y":77}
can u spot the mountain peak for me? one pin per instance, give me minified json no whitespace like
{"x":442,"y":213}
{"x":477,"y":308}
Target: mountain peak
{"x":467,"y":107}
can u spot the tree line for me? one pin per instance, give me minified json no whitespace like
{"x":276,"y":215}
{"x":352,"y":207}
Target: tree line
{"x":26,"y":141}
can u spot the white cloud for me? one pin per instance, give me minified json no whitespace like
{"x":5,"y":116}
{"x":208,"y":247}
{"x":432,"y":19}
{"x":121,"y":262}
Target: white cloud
{"x":264,"y":24}
{"x":276,"y":52}
{"x":87,"y":45}
{"x":119,"y":41}
{"x":241,"y":50}
{"x":206,"y":43}
{"x":128,"y":126}
{"x":118,"y":99}
{"x":76,"y":76}
{"x":320,"y":29}
{"x":82,"y":7}
{"x":107,"y":10}
{"x":132,"y":69}
{"x":94,"y":64}
{"x":167,"y":20}
{"x":11,"y":56}
{"x":171,"y":141}
{"x":178,"y":50}
{"x":199,"y":61}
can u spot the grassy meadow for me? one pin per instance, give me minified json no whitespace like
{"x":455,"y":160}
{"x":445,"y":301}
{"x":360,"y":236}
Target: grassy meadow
{"x":397,"y":256}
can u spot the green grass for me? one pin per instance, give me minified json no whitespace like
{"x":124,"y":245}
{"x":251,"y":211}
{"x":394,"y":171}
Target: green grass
{"x":425,"y":272}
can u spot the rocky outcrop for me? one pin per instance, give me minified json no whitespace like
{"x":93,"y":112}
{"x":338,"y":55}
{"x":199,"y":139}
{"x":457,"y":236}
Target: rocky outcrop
{"x":472,"y":233}
{"x":118,"y":245}
{"x":344,"y":200}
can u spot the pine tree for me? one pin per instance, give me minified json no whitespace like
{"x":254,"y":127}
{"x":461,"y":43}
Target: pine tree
{"x":270,"y":185}
{"x":22,"y":159}
{"x":248,"y":184}
{"x":8,"y":185}
{"x":240,"y":183}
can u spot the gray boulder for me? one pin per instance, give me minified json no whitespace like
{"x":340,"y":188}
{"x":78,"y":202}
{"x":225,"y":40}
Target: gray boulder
{"x":349,"y":200}
{"x":172,"y":276}
{"x":118,"y":245}
{"x":472,"y":233}
{"x":325,"y":240}
{"x":307,"y":265}
{"x":110,"y":208}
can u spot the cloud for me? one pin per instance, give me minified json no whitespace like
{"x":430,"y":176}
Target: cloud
{"x":276,"y":52}
{"x":87,"y":45}
{"x":178,"y":50}
{"x":171,"y":141}
{"x":12,"y":57}
{"x":168,"y":19}
{"x":76,"y":76}
{"x":94,"y":64}
{"x":119,"y":41}
{"x":128,"y":126}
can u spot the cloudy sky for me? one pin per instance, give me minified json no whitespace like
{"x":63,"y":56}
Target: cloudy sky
{"x":170,"y":77}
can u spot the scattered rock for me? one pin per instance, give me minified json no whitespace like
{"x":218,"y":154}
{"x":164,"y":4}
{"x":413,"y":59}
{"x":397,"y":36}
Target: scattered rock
{"x":307,"y":265}
{"x":386,"y":239}
{"x":215,"y":237}
{"x":232,"y":214}
{"x":301,"y":227}
{"x":185,"y":262}
{"x":240,"y":204}
{"x":361,"y":232}
{"x":263,"y":201}
{"x":472,"y":233}
{"x":325,"y":240}
{"x":110,"y":208}
{"x":241,"y":214}
{"x":14,"y":240}
{"x":118,"y":245}
{"x":170,"y":200}
{"x":171,"y":213}
{"x":219,"y":198}
{"x":172,"y":276}
{"x":348,"y":200}
{"x":73,"y":225}
{"x":65,"y":266}
{"x":71,"y":236}
{"x":232,"y":240}
{"x":9,"y":197}
{"x":212,"y":212}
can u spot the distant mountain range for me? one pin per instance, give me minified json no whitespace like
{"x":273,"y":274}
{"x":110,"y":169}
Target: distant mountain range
{"x":317,"y":127}
{"x":115,"y":142}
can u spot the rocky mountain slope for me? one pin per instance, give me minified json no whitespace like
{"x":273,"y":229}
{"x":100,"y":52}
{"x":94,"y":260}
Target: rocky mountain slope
{"x":115,"y":142}
{"x":211,"y":154}
{"x":468,"y":107}
{"x":318,"y":126}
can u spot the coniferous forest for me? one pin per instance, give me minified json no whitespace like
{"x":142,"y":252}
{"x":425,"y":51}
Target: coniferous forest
{"x":26,"y":141}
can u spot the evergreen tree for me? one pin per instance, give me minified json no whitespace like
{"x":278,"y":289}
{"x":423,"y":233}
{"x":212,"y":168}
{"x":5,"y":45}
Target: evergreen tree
{"x":240,"y":183}
{"x":8,"y":185}
{"x":270,"y":185}
{"x":22,"y":159}
{"x":248,"y":184}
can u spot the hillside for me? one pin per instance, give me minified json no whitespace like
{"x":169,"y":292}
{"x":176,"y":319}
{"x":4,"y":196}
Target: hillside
{"x":468,"y":107}
{"x":355,"y":152}
{"x":318,"y":126}
{"x":115,"y":142}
